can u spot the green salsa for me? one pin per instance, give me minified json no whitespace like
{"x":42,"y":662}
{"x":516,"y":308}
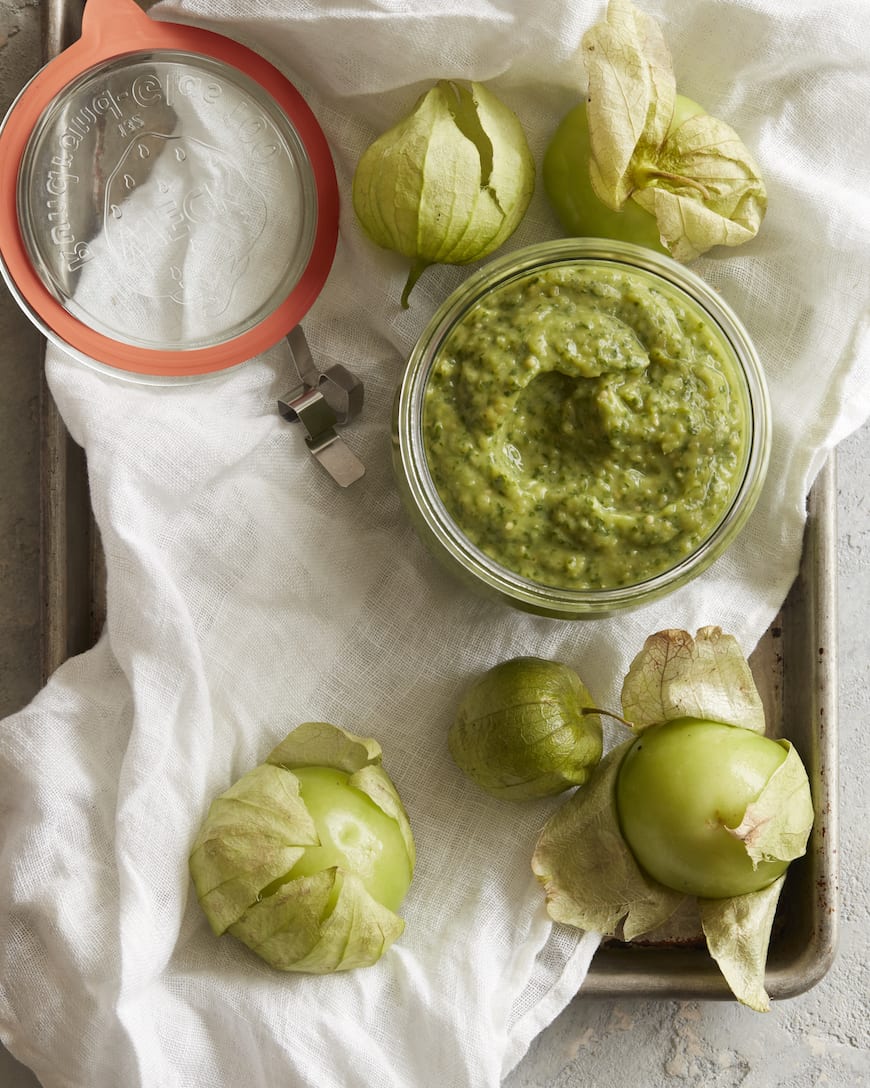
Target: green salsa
{"x":585,"y":426}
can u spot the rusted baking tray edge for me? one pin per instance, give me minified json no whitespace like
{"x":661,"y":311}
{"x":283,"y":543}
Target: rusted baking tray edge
{"x":72,"y":586}
{"x":795,"y":666}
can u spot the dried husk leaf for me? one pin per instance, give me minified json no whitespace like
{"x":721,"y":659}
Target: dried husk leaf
{"x":726,"y":200}
{"x":738,"y":934}
{"x":777,"y":825}
{"x":320,"y":744}
{"x":376,"y":784}
{"x":677,"y":676}
{"x":253,"y":833}
{"x":589,"y":874}
{"x":630,"y":99}
{"x":305,"y":927}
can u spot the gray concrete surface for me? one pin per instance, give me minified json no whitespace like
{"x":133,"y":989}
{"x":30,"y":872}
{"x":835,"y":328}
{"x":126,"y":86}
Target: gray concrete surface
{"x":819,"y":1039}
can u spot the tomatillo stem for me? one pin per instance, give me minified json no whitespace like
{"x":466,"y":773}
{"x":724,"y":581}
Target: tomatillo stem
{"x":651,"y":174}
{"x":584,"y":710}
{"x":417,"y":269}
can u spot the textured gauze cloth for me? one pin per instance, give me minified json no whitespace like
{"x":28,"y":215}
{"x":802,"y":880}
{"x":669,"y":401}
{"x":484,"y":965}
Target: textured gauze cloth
{"x":247,"y":594}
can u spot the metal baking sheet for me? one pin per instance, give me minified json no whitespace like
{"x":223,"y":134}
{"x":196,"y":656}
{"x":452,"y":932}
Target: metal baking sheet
{"x":794,"y":666}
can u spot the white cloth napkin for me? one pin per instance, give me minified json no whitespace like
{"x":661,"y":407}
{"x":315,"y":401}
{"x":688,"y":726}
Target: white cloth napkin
{"x":247,"y":594}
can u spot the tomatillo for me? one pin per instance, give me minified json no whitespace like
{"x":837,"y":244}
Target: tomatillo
{"x":355,"y":835}
{"x":682,"y":794}
{"x":526,"y":729}
{"x":306,"y":858}
{"x":569,"y":187}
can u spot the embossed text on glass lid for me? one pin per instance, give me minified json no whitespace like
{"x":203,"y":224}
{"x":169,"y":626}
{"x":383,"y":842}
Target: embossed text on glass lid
{"x":166,"y":202}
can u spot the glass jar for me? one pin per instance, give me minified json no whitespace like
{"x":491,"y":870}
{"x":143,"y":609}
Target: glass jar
{"x":479,"y":301}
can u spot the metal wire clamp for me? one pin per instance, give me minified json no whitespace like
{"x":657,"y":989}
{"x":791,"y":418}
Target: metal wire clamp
{"x":322,"y":401}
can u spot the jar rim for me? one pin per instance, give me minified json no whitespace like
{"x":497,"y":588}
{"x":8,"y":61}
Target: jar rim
{"x":537,"y":596}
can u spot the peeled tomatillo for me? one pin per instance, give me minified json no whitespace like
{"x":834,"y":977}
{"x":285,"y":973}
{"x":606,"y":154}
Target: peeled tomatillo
{"x":683,"y":789}
{"x":355,"y":835}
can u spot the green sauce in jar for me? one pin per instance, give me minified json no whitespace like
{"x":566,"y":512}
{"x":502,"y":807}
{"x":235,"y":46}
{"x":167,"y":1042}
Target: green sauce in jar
{"x":586,"y":426}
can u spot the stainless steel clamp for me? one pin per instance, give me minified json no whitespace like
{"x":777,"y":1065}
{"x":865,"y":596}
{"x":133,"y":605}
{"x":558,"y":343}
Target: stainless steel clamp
{"x":322,"y":401}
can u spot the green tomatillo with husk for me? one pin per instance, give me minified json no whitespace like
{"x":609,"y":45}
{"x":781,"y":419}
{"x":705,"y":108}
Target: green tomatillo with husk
{"x":700,"y":804}
{"x":449,"y":183}
{"x":307,"y":857}
{"x":643,"y":164}
{"x":526,"y":729}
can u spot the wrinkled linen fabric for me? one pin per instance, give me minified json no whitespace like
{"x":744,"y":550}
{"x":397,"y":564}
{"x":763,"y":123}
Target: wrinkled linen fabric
{"x":247,"y":594}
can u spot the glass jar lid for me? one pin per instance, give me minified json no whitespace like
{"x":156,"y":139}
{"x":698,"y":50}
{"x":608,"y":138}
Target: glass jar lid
{"x":169,"y":202}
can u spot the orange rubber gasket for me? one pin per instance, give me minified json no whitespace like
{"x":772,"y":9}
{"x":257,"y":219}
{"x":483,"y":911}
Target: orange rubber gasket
{"x":110,"y":29}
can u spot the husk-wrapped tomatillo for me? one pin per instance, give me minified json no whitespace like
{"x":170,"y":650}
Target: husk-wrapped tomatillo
{"x":449,"y":183}
{"x":639,"y":162}
{"x":306,"y":858}
{"x":526,"y":729}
